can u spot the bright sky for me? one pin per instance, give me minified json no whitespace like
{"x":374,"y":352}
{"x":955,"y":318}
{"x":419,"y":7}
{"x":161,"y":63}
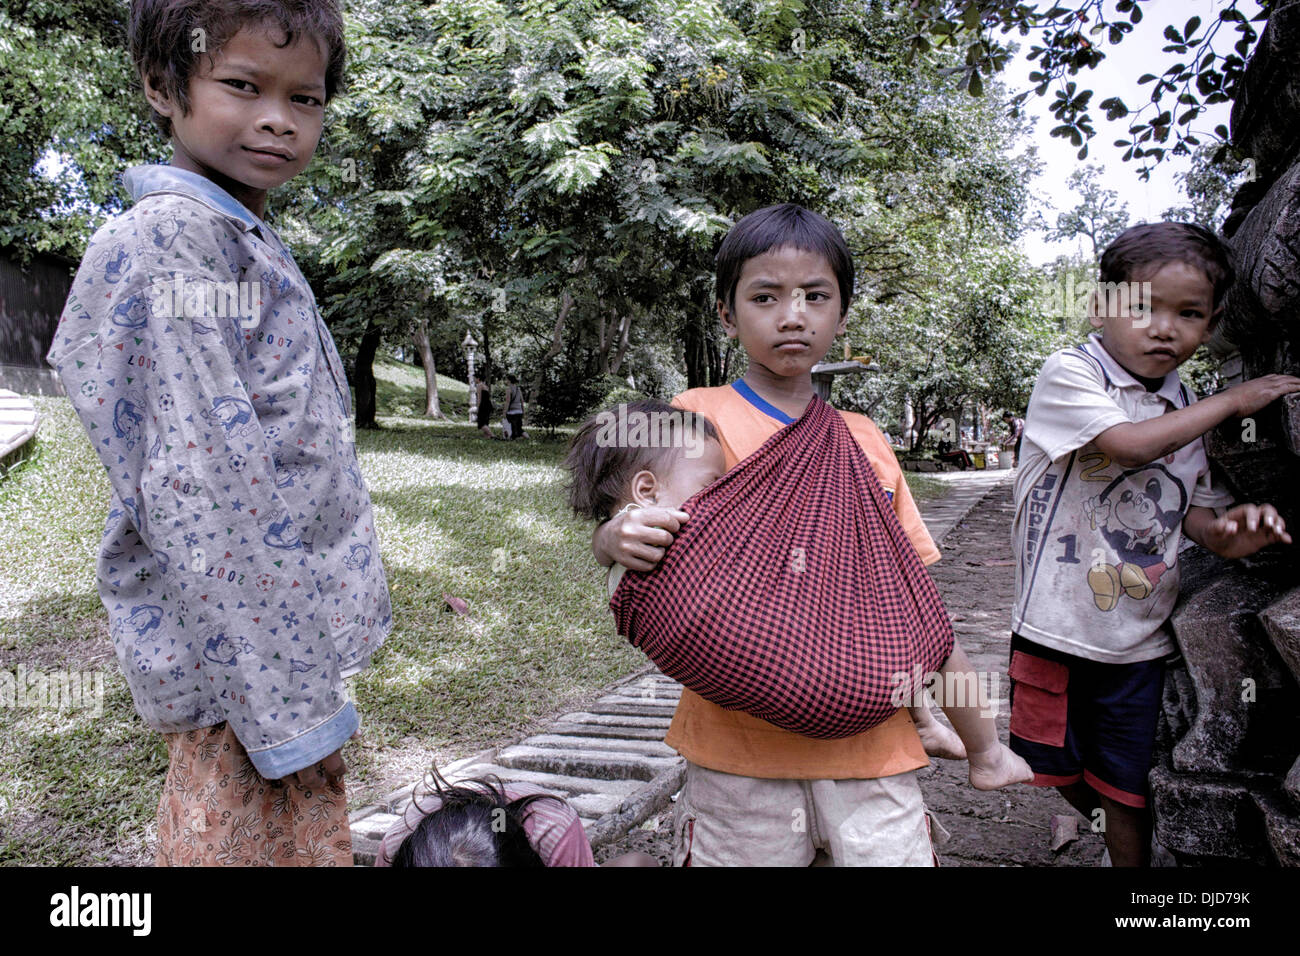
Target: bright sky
{"x":1141,"y":51}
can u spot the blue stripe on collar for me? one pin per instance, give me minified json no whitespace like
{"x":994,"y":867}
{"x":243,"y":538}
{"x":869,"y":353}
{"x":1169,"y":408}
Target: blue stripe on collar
{"x":142,"y":180}
{"x":767,"y":408}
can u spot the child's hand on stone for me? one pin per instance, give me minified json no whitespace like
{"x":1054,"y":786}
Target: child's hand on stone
{"x":1244,"y":530}
{"x":1253,"y":395}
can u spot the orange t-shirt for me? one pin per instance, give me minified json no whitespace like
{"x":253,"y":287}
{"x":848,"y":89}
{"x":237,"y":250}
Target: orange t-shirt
{"x":733,"y":741}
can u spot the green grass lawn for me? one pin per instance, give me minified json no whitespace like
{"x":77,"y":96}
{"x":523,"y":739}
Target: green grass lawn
{"x":456,"y":514}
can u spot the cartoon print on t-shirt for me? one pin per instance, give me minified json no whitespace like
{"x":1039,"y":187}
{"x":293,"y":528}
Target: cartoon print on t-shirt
{"x":232,"y":413}
{"x":222,"y":649}
{"x":1137,"y":514}
{"x":358,"y":558}
{"x":131,"y":313}
{"x":143,"y":619}
{"x":166,"y":231}
{"x":280,"y":533}
{"x":127,"y":419}
{"x":113,"y":262}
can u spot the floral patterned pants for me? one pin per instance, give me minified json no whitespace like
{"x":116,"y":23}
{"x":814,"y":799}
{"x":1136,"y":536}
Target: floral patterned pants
{"x":217,"y":810}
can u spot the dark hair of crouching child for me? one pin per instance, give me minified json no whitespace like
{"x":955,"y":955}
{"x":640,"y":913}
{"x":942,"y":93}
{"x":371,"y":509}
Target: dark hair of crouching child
{"x":601,"y":470}
{"x":478,"y":824}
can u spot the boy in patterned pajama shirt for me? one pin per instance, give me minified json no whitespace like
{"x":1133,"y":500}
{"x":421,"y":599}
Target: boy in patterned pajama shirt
{"x":239,"y":564}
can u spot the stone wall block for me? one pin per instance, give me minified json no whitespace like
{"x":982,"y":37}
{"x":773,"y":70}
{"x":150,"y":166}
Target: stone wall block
{"x":1291,"y":422}
{"x":1203,"y":819}
{"x":1281,"y":827}
{"x":1244,"y":701}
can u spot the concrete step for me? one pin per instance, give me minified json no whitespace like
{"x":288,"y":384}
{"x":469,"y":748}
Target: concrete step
{"x":660,"y":684}
{"x":609,"y":731}
{"x":375,"y":826}
{"x":616,"y":720}
{"x":662,"y":700}
{"x":608,"y":761}
{"x":601,"y":745}
{"x":18,"y":421}
{"x":584,"y":763}
{"x":593,"y":806}
{"x":364,"y":850}
{"x":563,"y":784}
{"x":643,"y":708}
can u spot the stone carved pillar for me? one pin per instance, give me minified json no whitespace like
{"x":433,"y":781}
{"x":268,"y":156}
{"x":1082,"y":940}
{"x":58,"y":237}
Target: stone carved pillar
{"x":1226,"y":785}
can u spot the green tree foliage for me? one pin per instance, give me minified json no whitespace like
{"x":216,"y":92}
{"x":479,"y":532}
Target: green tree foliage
{"x":553,"y":176}
{"x":69,"y":122}
{"x":1099,"y":216}
{"x":557,"y":174}
{"x":1210,"y":184}
{"x":977,"y":340}
{"x":1208,"y":61}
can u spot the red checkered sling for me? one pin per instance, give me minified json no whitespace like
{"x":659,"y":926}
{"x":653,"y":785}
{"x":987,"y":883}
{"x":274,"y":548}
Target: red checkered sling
{"x":793,"y":593}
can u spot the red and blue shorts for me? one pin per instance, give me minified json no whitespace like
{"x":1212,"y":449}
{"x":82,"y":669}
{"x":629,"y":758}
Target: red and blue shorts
{"x":1074,"y":719}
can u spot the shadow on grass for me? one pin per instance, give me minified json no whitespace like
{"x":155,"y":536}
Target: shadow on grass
{"x":431,"y":438}
{"x":477,"y":521}
{"x":81,"y":783}
{"x":83,"y":789}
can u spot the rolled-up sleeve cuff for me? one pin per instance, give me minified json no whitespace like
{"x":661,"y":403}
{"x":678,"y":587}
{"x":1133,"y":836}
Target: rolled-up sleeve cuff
{"x":307,"y":748}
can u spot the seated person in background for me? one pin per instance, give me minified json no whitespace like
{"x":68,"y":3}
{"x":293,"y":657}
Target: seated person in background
{"x":956,"y":456}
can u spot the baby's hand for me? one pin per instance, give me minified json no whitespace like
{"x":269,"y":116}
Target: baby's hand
{"x":1244,"y":530}
{"x":638,"y":538}
{"x":1253,"y":395}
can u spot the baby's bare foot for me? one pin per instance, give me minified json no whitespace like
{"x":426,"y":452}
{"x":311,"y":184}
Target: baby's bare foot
{"x":998,"y":767}
{"x":938,"y":740}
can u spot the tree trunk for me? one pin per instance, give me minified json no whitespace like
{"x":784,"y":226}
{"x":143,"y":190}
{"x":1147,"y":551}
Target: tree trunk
{"x":366,"y":376}
{"x":697,"y":369}
{"x":605,"y":332}
{"x":700,"y":353}
{"x":420,"y":334}
{"x":612,"y":337}
{"x":625,"y":328}
{"x":714,"y":360}
{"x":557,"y":340}
{"x":920,"y":422}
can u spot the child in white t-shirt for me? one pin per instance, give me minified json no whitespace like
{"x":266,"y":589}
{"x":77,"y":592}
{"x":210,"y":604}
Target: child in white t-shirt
{"x":1113,"y":473}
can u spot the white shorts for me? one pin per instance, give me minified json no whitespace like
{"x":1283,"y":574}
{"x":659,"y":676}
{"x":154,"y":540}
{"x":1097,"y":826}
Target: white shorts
{"x":723,"y":819}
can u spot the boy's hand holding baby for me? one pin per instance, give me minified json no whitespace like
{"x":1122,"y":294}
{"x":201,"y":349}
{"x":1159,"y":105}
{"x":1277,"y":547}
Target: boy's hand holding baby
{"x":637,"y":539}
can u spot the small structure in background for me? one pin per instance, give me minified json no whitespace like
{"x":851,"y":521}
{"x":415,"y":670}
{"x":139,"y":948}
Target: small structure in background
{"x":31,"y":299}
{"x":470,"y":345}
{"x":18,"y":424}
{"x":823,"y":373}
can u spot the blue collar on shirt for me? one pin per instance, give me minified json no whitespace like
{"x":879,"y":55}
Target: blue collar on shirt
{"x":142,"y":180}
{"x":1170,"y":389}
{"x":767,"y":408}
